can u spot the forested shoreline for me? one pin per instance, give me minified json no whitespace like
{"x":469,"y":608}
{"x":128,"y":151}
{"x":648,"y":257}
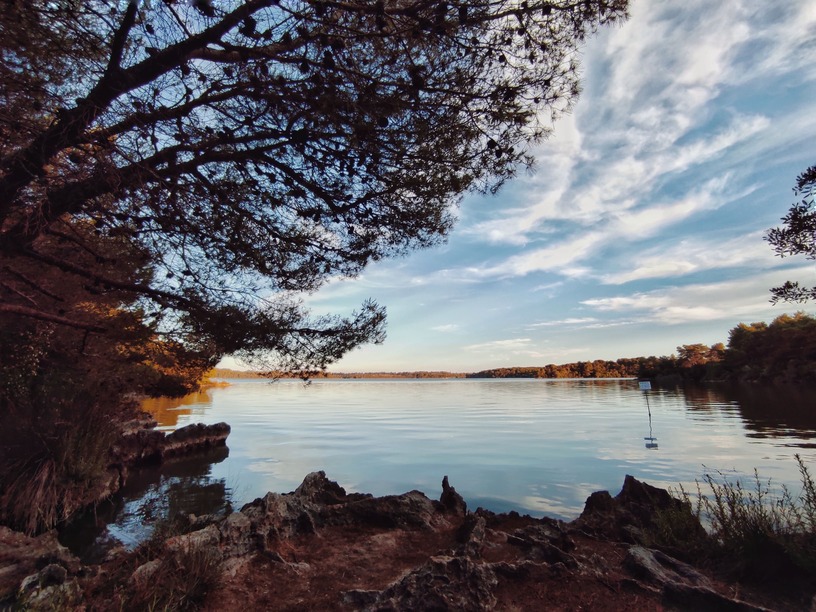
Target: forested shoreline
{"x":782,"y":351}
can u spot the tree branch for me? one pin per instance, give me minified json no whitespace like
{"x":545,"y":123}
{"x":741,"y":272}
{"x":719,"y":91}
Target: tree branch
{"x":44,"y":316}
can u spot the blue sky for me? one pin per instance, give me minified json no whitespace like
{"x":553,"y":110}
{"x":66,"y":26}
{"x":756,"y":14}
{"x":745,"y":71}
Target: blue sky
{"x":641,"y":226}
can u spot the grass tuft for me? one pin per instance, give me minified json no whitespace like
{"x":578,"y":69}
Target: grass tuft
{"x":756,"y":532}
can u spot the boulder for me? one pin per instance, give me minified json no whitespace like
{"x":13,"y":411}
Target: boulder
{"x":22,"y":556}
{"x":443,"y":583}
{"x":633,"y":512}
{"x":451,"y":500}
{"x":193,"y":438}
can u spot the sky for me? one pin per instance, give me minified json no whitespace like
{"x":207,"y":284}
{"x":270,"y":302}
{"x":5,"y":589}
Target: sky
{"x":641,"y":226}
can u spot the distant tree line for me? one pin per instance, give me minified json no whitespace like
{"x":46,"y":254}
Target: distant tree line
{"x":783,"y":351}
{"x":229,"y":373}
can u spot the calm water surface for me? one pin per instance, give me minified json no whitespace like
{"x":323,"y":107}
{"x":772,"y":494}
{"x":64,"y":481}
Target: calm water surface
{"x":537,"y":446}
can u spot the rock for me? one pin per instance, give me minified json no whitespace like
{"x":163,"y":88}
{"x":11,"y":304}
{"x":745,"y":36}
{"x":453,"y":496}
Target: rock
{"x":145,"y":572}
{"x":22,"y":556}
{"x":407,"y":511}
{"x":193,"y":438}
{"x":599,"y":502}
{"x":318,"y":489}
{"x":278,"y":517}
{"x":236,"y":535}
{"x":209,"y":537}
{"x":472,"y":534}
{"x":659,"y":568}
{"x":138,"y":447}
{"x":443,"y":583}
{"x":682,"y":585}
{"x":633,"y":512}
{"x":63,"y":596}
{"x":141,"y":420}
{"x":451,"y":500}
{"x":641,"y":500}
{"x":545,"y":543}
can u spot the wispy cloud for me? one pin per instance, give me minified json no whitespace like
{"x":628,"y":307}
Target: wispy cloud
{"x":726,"y":300}
{"x":641,"y":127}
{"x":564,"y":322}
{"x":450,"y":327}
{"x":695,"y":255}
{"x":513,"y":344}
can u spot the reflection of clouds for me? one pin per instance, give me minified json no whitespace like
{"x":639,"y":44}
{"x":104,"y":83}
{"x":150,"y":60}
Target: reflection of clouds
{"x":551,"y":507}
{"x":538,"y":446}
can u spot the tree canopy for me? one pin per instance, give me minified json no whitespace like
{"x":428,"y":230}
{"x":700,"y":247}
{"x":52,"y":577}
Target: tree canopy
{"x":797,"y":236}
{"x":239,"y":153}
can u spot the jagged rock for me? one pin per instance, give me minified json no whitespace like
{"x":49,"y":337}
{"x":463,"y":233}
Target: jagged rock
{"x":138,"y":447}
{"x":277,"y":517}
{"x":237,"y":535}
{"x":406,"y":511}
{"x":642,"y":499}
{"x":443,"y":583}
{"x":681,"y":584}
{"x":451,"y":500}
{"x":599,"y":502}
{"x":545,"y":543}
{"x":22,"y":556}
{"x":319,"y":547}
{"x":472,"y":534}
{"x":633,"y":512}
{"x":318,"y":489}
{"x":146,"y":572}
{"x":659,"y":568}
{"x":141,"y":420}
{"x":194,"y":438}
{"x":209,"y":537}
{"x":38,"y":595}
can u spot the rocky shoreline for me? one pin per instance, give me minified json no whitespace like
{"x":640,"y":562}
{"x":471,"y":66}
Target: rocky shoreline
{"x":140,"y":444}
{"x":321,"y":548}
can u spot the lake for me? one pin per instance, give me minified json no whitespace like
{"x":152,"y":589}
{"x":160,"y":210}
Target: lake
{"x":536,"y":446}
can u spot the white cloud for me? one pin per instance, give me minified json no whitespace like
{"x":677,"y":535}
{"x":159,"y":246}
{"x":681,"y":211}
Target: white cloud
{"x":563,"y":322}
{"x":695,"y":255}
{"x":512,"y":344}
{"x":450,"y":327}
{"x":744,"y":298}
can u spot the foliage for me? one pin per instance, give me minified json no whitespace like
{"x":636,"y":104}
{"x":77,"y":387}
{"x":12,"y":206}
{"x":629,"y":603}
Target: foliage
{"x":63,"y":387}
{"x":250,"y":150}
{"x":764,"y":532}
{"x":785,"y":350}
{"x":181,"y":580}
{"x":797,"y":236}
{"x":758,"y":532}
{"x":175,"y":176}
{"x":679,"y":529}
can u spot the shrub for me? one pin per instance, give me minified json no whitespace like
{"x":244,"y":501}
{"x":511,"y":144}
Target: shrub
{"x":757,"y":532}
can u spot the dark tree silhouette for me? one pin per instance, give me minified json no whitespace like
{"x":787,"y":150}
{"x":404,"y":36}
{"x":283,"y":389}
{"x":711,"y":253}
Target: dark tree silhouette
{"x":248,"y":151}
{"x":797,"y":237}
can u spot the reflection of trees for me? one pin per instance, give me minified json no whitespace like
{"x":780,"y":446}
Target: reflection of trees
{"x":701,"y":398}
{"x":768,"y":411}
{"x":167,"y":410}
{"x":180,"y":486}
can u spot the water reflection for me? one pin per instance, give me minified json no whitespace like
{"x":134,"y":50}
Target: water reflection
{"x":768,"y":412}
{"x":167,"y":410}
{"x":536,"y":446}
{"x":180,"y":486}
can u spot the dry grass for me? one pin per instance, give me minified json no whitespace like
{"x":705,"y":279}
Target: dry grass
{"x":48,"y":463}
{"x":758,"y":532}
